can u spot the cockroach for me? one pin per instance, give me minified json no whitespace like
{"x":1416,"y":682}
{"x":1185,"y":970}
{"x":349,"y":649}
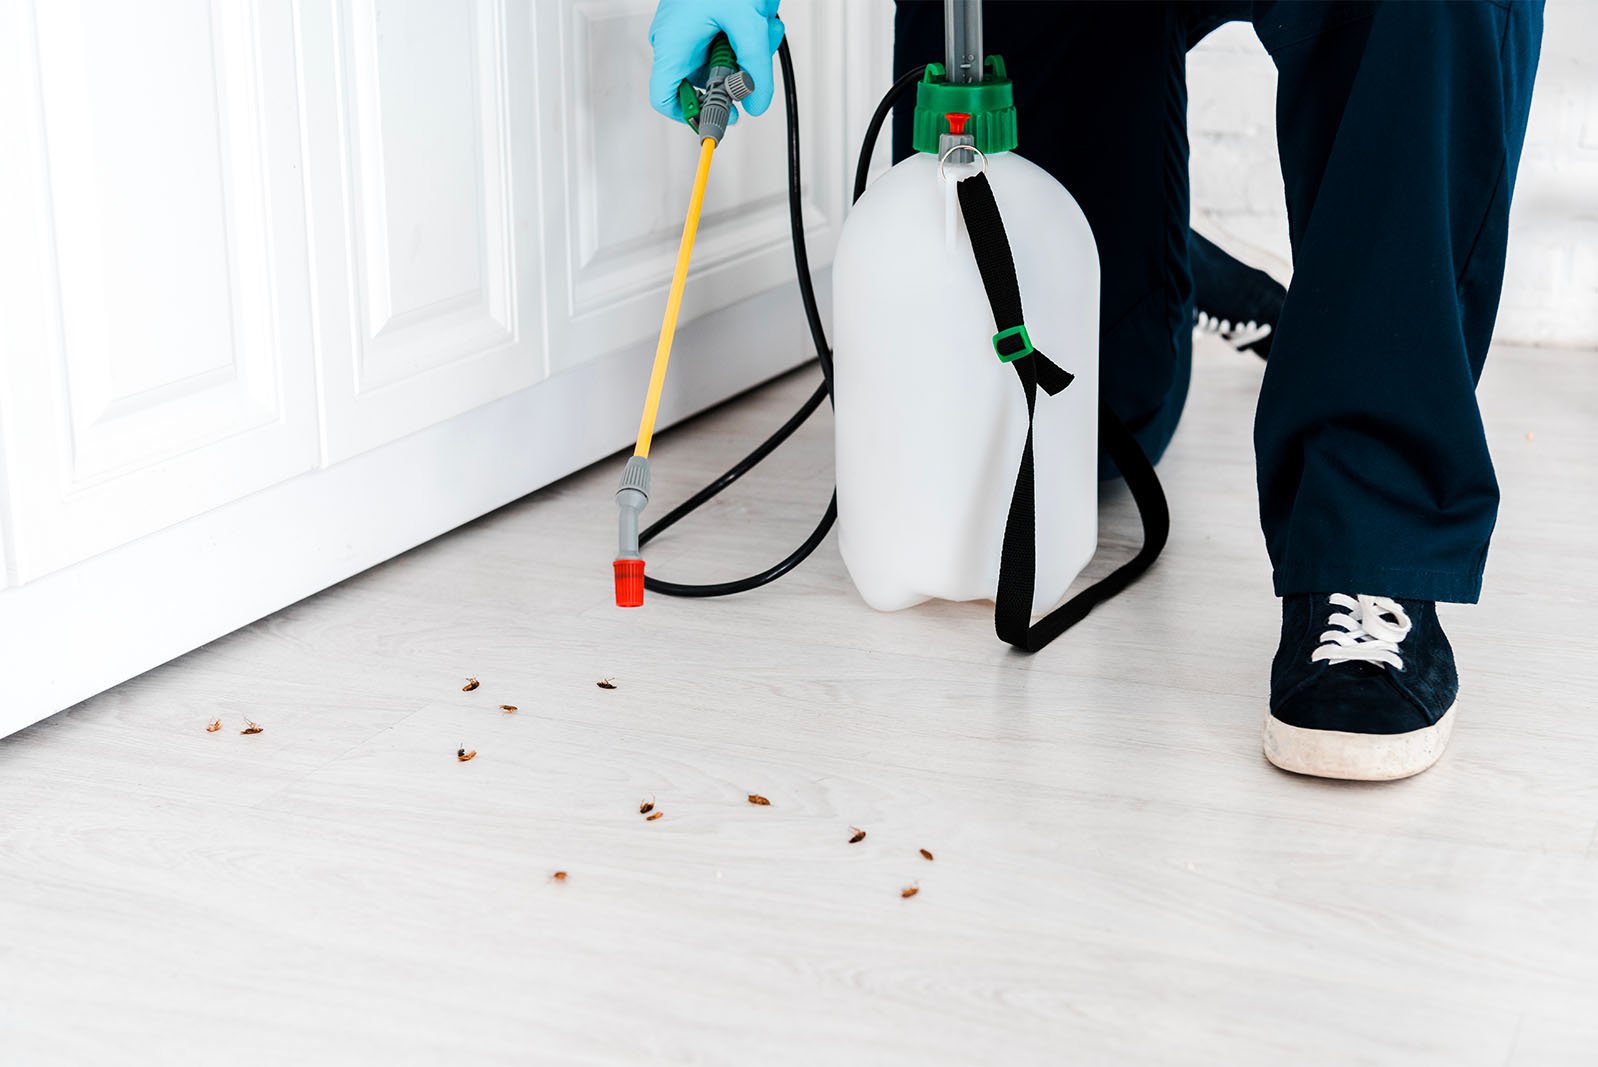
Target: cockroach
{"x":463,"y":755}
{"x":925,"y":854}
{"x":216,"y":724}
{"x":251,"y":727}
{"x":508,"y":709}
{"x":471,"y":683}
{"x":909,"y":891}
{"x":756,"y":798}
{"x":652,"y":816}
{"x":559,"y":876}
{"x":859,"y":835}
{"x":605,"y":683}
{"x":646,"y":807}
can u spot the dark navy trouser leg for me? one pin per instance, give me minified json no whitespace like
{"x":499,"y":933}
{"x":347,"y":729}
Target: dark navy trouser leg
{"x":1400,"y":127}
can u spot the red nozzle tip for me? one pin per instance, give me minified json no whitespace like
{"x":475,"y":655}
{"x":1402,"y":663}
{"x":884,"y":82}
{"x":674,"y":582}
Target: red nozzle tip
{"x":629,"y":583}
{"x":957,"y":121}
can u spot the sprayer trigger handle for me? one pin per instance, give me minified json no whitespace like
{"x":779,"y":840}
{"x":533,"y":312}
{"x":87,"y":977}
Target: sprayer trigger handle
{"x":688,"y":101}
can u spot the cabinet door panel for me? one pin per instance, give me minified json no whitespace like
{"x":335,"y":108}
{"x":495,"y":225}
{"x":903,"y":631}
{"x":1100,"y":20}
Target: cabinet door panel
{"x":157,"y":353}
{"x":421,"y":139}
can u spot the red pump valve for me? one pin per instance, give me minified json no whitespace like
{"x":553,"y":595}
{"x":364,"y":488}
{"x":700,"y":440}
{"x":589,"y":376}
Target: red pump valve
{"x":957,"y":121}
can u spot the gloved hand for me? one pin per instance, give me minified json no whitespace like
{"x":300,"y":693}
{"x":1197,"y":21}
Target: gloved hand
{"x":681,"y":36}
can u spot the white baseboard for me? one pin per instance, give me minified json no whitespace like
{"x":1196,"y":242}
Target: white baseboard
{"x":79,"y":631}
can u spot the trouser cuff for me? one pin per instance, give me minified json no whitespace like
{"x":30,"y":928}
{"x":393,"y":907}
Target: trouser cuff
{"x":1451,"y":587}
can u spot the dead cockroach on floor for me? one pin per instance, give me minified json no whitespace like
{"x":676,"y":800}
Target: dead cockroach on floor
{"x":463,"y":755}
{"x":652,"y":816}
{"x":508,"y":709}
{"x":559,"y":876}
{"x":925,"y":854}
{"x":471,"y":683}
{"x":756,"y":798}
{"x":909,"y":891}
{"x":216,"y":724}
{"x":647,"y":806}
{"x":859,"y":835}
{"x":605,"y":683}
{"x":251,"y":727}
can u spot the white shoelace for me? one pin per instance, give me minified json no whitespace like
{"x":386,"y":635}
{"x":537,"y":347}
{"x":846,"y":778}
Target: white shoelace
{"x":1369,"y":631}
{"x":1238,"y":335}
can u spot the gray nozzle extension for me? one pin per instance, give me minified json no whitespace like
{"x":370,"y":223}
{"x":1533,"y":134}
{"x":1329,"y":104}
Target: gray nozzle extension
{"x":628,"y":567}
{"x":631,"y":497}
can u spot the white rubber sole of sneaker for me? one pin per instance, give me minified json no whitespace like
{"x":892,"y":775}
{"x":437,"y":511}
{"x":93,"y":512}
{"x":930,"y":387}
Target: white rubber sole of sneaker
{"x":1356,"y":757}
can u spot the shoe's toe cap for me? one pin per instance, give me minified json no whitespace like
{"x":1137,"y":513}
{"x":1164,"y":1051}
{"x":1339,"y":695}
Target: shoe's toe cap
{"x":1353,"y":698}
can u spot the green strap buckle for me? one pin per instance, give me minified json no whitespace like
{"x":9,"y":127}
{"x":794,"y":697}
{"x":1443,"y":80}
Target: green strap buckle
{"x":1009,"y":353}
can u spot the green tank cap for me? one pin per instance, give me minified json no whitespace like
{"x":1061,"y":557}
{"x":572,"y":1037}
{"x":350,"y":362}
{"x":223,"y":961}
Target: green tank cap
{"x":990,"y":105}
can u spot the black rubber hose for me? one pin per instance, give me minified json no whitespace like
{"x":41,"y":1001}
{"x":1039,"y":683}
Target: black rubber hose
{"x":868,"y":143}
{"x":818,"y":334}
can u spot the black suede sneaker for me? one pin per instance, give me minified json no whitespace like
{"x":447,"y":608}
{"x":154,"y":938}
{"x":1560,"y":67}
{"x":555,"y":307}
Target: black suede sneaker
{"x":1238,"y":303}
{"x":1362,"y":688}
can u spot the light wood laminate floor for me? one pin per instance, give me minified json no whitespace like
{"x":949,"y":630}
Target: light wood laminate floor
{"x":1119,"y":876}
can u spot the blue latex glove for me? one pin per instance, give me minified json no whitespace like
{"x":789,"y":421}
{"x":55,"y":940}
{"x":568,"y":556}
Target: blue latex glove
{"x":681,"y":36}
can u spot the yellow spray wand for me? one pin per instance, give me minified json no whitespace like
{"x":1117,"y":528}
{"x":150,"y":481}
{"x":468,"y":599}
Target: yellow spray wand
{"x":708,"y":115}
{"x":679,"y":277}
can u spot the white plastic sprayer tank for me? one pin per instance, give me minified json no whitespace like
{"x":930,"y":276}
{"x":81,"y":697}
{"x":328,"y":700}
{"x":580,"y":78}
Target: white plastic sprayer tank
{"x":930,"y":422}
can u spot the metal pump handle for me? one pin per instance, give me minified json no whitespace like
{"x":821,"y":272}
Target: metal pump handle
{"x":962,"y":41}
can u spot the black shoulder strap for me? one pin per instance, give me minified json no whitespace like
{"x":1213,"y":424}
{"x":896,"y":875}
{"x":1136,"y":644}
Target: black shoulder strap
{"x":1012,"y":609}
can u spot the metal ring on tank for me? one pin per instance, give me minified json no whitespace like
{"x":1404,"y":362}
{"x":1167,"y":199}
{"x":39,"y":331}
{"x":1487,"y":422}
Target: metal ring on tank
{"x":960,"y":148}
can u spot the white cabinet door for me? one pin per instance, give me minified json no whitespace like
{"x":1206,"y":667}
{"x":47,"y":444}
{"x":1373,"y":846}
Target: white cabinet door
{"x":290,"y":286}
{"x":156,"y":328}
{"x":421,"y":128}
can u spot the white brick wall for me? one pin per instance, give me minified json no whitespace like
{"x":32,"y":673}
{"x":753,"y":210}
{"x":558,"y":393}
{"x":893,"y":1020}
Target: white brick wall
{"x":1551,"y":286}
